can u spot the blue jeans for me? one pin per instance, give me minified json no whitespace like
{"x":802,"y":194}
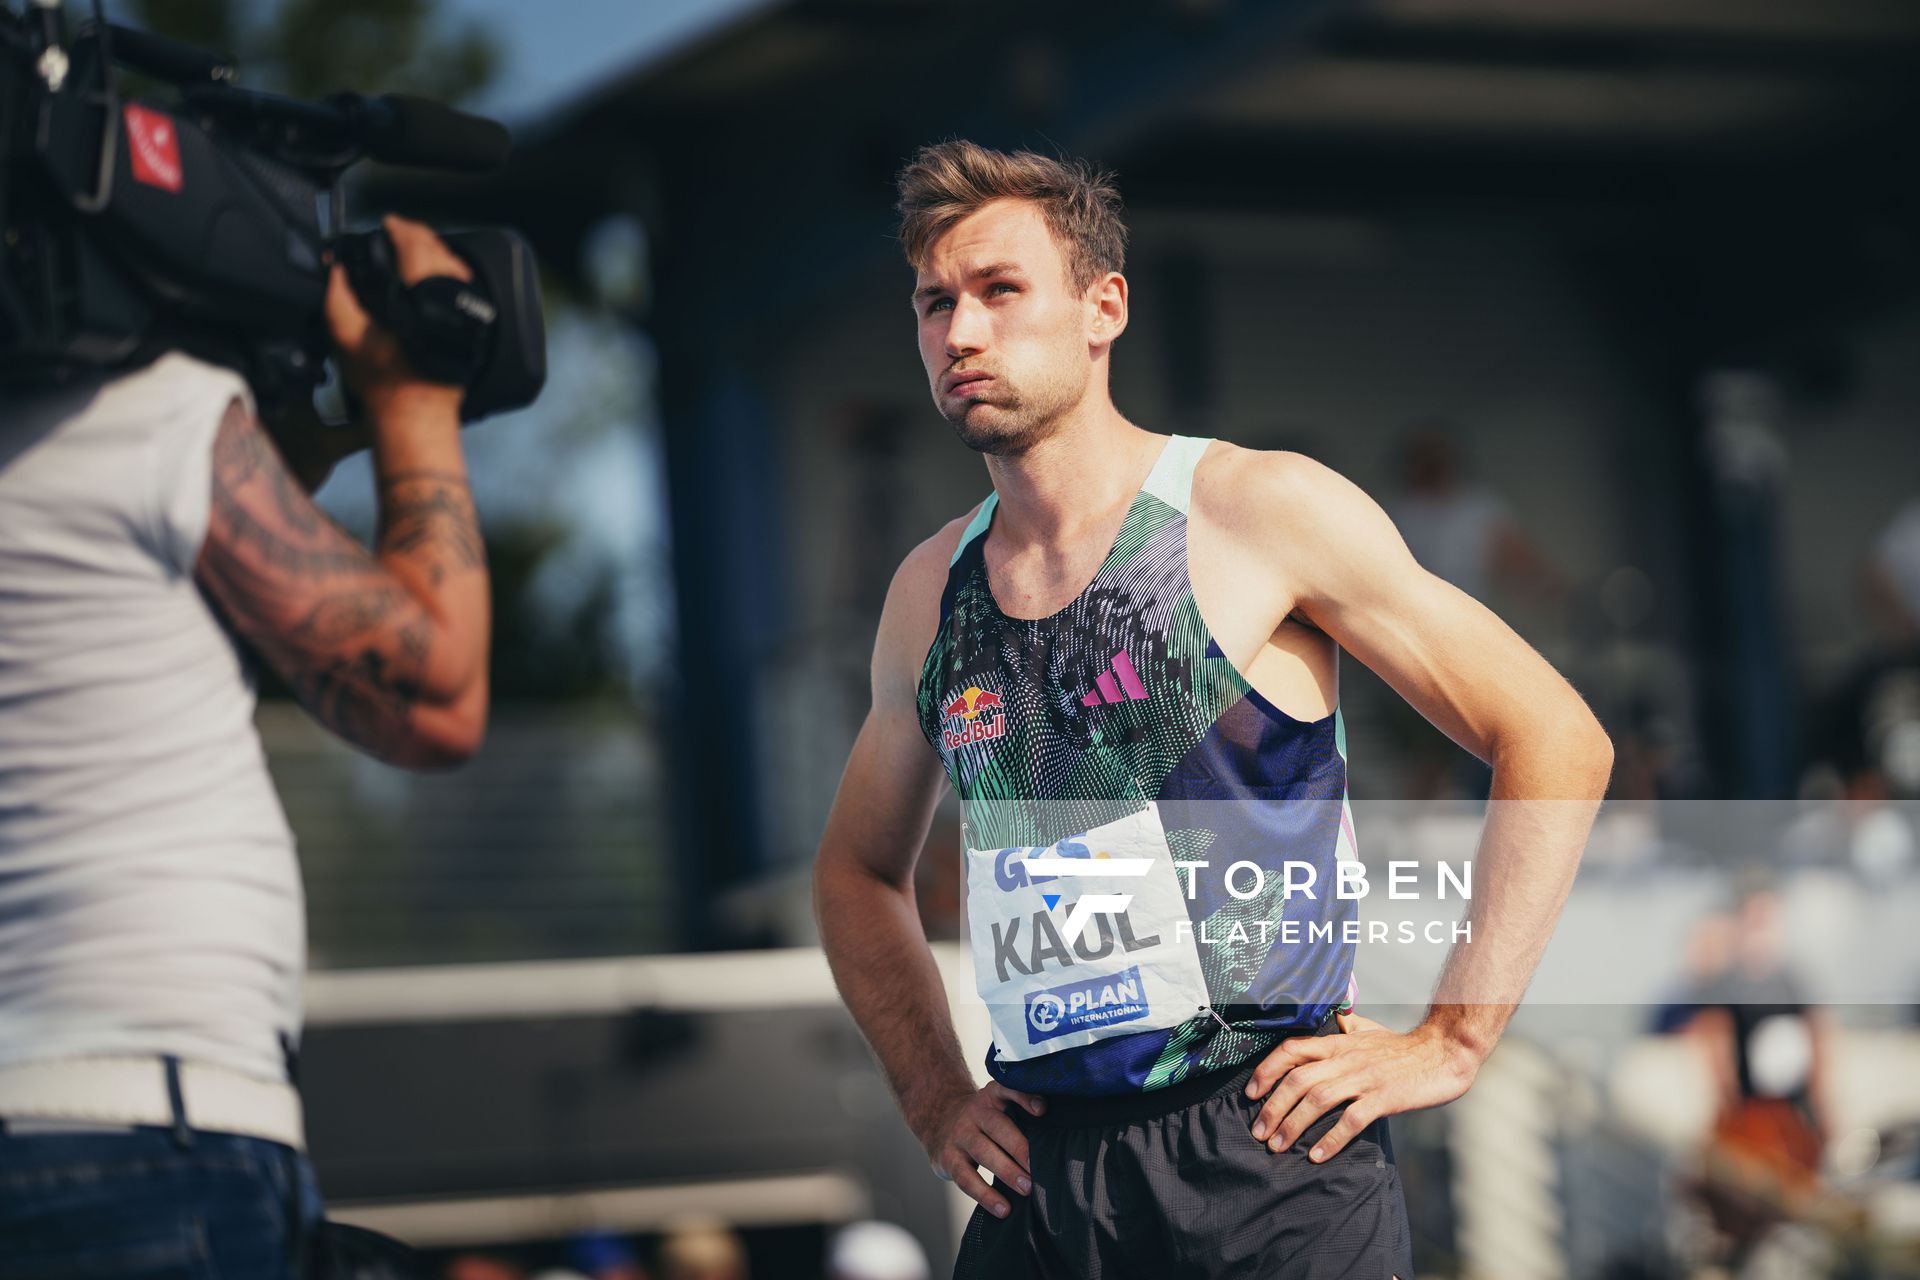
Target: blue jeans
{"x":141,"y":1204}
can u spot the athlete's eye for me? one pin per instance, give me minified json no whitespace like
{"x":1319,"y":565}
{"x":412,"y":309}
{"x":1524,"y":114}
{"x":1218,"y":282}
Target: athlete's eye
{"x":937,"y":304}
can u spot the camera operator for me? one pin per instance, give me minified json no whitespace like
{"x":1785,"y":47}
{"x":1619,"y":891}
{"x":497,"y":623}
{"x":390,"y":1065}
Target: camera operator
{"x":152,"y":935}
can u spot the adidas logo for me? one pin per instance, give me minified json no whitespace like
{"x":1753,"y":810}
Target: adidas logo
{"x":1119,"y":684}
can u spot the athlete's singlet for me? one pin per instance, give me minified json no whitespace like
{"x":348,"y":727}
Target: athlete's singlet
{"x":1117,"y":776}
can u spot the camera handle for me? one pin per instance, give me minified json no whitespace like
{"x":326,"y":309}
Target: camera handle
{"x":444,"y":325}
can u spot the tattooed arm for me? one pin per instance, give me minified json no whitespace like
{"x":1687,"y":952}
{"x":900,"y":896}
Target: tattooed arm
{"x":386,"y":648}
{"x":388,"y":651}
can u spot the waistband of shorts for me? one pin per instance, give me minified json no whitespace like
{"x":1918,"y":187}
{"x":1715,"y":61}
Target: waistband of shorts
{"x":1065,"y":1111}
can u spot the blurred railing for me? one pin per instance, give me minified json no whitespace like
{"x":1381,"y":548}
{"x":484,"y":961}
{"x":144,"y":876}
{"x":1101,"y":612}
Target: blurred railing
{"x":1505,"y":1186}
{"x":551,"y":843}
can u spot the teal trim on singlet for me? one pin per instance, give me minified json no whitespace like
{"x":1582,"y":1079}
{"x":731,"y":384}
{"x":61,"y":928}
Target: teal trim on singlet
{"x":1171,"y":479}
{"x":977,"y":526}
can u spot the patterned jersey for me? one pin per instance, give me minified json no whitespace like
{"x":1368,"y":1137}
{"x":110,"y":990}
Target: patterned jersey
{"x":1117,"y":726}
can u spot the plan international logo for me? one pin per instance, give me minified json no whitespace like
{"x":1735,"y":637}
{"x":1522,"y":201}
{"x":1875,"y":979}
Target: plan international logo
{"x":1086,"y":1005}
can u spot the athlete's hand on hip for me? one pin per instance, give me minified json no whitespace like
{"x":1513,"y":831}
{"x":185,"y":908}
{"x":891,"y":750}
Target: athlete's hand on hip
{"x":1376,"y":1072}
{"x":973,"y":1130}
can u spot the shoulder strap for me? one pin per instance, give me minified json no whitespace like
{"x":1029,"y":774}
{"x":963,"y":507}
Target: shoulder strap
{"x":1171,"y":479}
{"x":977,"y":526}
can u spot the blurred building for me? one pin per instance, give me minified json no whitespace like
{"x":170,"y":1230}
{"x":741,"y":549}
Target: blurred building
{"x":1657,"y":261}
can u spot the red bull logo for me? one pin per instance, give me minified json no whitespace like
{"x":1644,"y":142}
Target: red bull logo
{"x":980,"y":714}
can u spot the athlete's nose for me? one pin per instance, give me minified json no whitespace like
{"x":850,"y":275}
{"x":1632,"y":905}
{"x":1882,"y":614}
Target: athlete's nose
{"x":966,"y":328}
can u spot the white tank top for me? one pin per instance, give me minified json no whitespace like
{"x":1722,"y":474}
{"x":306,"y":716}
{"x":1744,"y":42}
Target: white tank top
{"x":149,"y":897}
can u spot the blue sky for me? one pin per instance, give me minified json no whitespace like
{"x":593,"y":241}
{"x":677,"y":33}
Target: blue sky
{"x":561,"y":48}
{"x":554,"y":50}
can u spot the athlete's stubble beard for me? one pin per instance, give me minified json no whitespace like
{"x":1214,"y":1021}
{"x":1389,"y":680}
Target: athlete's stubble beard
{"x":1006,"y":421}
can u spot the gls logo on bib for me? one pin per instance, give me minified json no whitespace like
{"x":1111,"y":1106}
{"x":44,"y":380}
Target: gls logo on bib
{"x":1114,"y":966}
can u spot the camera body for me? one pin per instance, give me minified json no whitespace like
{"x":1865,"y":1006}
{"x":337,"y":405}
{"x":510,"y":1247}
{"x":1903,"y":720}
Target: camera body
{"x":132,"y":229}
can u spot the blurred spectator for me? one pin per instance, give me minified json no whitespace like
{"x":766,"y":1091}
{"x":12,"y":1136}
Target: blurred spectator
{"x":1893,"y":577}
{"x":1462,"y":532}
{"x":1769,"y":1054}
{"x":876,"y":1251}
{"x":1653,"y":758}
{"x":1709,"y":953}
{"x":602,"y":1255}
{"x":1851,"y":827}
{"x":1867,"y":728}
{"x":702,"y":1250}
{"x":480,"y":1266}
{"x":1868,"y":731}
{"x":1640,"y":686}
{"x":1458,"y":530}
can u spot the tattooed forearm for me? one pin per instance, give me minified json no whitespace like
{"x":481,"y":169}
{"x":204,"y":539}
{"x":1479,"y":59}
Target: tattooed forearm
{"x":428,"y":516}
{"x":372,"y":653}
{"x":454,"y":478}
{"x":292,"y":501}
{"x":360,"y":697}
{"x":286,"y":535}
{"x":359,"y":659}
{"x":347,"y":617}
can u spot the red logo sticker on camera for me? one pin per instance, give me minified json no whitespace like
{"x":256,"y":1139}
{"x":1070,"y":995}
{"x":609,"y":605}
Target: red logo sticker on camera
{"x":153,"y":144}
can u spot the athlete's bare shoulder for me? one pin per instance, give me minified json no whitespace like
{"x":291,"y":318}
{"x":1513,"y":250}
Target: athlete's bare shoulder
{"x":912,"y":611}
{"x":1293,"y":524}
{"x":1281,"y":501}
{"x":1245,"y":490}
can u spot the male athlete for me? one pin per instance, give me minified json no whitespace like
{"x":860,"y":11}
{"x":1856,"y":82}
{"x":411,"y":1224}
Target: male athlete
{"x":1124,"y":660}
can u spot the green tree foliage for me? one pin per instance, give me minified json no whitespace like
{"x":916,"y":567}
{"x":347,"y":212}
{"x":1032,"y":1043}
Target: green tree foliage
{"x":211,"y":24}
{"x":314,"y":47}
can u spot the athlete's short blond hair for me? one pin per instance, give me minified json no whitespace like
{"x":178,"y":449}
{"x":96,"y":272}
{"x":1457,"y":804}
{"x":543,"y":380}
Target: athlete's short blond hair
{"x":948,"y":181}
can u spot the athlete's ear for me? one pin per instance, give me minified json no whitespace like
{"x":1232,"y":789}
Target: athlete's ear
{"x":1106,"y":309}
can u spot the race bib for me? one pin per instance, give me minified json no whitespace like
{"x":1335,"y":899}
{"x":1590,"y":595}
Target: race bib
{"x":1077,"y":942}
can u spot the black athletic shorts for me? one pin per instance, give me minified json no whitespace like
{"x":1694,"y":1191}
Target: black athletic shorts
{"x":1172,"y":1185}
